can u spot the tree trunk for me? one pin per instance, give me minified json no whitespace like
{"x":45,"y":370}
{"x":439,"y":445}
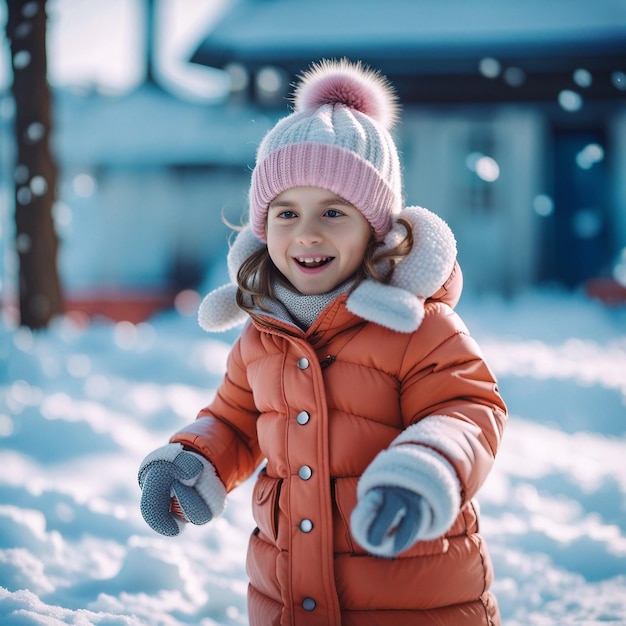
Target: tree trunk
{"x":35,"y":174}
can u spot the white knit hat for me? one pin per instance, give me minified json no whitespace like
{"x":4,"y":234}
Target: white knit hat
{"x":337,"y":138}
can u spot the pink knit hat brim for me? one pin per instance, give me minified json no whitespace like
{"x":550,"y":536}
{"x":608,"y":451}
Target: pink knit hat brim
{"x":330,"y":167}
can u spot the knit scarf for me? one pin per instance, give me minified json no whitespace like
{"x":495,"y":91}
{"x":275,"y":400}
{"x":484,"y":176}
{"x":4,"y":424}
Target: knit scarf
{"x":305,"y":309}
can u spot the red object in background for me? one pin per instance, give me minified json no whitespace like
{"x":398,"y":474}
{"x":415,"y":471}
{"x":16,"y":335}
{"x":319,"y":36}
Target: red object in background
{"x":607,"y":290}
{"x":118,"y":306}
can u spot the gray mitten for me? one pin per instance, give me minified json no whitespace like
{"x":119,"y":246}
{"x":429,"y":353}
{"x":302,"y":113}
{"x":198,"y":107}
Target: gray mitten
{"x":387,"y":520}
{"x":171,"y":473}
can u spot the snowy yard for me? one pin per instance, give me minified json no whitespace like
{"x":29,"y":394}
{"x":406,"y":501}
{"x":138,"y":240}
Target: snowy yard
{"x":81,"y":405}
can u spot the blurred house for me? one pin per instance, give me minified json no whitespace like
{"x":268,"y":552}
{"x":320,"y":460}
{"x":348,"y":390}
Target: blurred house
{"x":513,"y":130}
{"x":514,"y":120}
{"x":148,"y":181}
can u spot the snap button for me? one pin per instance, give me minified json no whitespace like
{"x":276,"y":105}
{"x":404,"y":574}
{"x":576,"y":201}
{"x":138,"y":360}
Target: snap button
{"x":309,"y":604}
{"x":303,"y":363}
{"x":306,"y":525}
{"x":305,"y":472}
{"x":302,"y":418}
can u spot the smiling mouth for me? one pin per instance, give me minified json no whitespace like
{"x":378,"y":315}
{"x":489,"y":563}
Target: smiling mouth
{"x":313,"y":262}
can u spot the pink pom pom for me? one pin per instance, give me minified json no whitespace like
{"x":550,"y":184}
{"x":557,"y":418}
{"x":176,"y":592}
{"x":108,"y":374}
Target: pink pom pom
{"x":351,"y":84}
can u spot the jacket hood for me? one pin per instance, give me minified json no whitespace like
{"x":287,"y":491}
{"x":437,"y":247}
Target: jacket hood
{"x":429,"y":271}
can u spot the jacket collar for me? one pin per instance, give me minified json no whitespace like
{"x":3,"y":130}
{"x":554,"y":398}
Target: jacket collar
{"x":334,"y":320}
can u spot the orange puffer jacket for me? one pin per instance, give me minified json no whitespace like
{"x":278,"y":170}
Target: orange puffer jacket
{"x":323,"y":405}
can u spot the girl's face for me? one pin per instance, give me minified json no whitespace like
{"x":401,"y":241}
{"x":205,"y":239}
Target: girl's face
{"x":315,"y":238}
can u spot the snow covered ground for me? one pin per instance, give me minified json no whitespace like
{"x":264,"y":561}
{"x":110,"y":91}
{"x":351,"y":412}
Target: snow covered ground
{"x":81,"y":405}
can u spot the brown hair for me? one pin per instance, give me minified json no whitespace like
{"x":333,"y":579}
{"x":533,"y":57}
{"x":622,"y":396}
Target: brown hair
{"x":257,"y":273}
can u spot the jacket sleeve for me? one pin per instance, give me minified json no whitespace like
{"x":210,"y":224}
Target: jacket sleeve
{"x":225,"y":431}
{"x":465,"y":416}
{"x":453,"y":415}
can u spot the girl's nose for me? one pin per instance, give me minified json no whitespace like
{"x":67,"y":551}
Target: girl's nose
{"x":308,"y":233}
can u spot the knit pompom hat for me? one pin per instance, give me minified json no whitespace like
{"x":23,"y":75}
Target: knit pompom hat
{"x":337,"y":138}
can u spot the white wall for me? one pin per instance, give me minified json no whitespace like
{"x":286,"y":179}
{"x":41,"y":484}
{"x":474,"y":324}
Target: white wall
{"x":138,"y":221}
{"x":494,"y":222}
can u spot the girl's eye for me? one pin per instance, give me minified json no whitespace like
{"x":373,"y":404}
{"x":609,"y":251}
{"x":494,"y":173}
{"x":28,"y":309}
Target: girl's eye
{"x":334,"y":213}
{"x":287,"y":215}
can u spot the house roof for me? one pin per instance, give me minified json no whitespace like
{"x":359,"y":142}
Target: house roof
{"x":423,"y":38}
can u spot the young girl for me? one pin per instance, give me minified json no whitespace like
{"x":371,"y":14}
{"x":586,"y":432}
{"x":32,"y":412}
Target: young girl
{"x":353,"y":382}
